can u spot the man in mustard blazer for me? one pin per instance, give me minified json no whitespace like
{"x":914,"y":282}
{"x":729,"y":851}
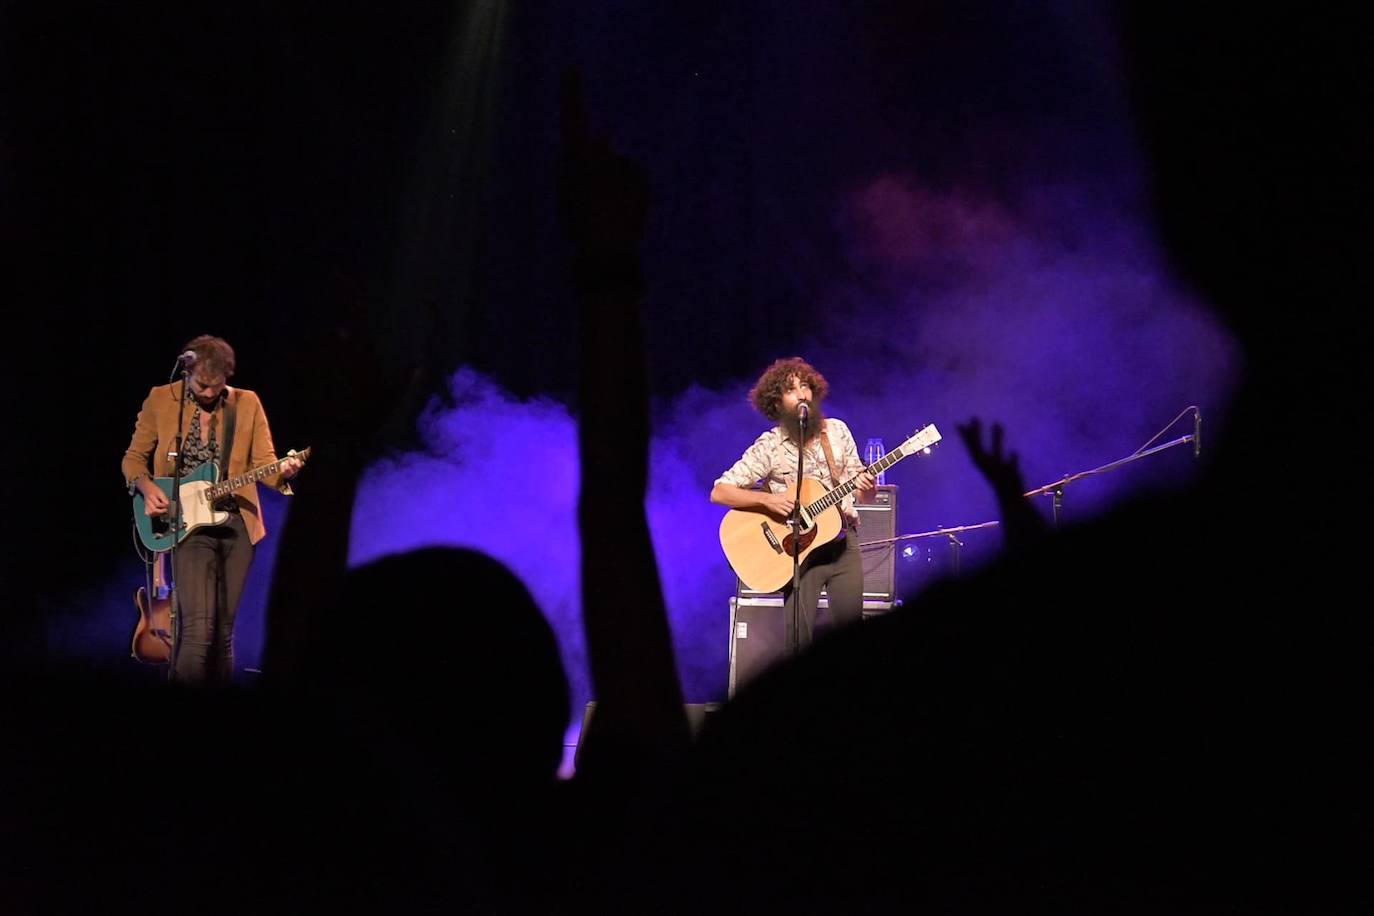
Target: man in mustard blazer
{"x":212,"y":562}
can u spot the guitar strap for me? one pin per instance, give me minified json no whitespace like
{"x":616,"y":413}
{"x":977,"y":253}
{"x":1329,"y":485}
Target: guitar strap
{"x":830,"y":462}
{"x":226,"y":447}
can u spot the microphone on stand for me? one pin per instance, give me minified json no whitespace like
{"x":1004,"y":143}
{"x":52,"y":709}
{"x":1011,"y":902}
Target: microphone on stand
{"x":1197,"y":433}
{"x":803,"y":412}
{"x":183,"y":366}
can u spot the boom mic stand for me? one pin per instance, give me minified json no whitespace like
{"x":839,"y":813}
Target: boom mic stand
{"x":950,"y":533}
{"x":1057,"y":487}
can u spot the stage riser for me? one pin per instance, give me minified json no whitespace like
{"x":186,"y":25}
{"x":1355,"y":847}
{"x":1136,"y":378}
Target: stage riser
{"x":758,"y":633}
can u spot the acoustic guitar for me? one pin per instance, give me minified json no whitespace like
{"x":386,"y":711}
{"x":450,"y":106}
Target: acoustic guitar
{"x":759,"y":546}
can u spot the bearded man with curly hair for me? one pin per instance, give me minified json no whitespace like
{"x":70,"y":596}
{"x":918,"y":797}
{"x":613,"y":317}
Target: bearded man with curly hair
{"x":837,"y":567}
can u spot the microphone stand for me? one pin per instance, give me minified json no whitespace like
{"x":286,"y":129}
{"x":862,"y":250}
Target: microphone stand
{"x":793,"y":644}
{"x":954,"y":542}
{"x":173,"y":604}
{"x":1057,"y":487}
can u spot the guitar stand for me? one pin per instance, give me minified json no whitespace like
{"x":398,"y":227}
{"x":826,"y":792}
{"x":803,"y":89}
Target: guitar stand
{"x":155,"y":612}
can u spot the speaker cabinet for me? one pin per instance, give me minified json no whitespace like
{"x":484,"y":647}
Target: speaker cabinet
{"x":758,"y":632}
{"x":877,"y":522}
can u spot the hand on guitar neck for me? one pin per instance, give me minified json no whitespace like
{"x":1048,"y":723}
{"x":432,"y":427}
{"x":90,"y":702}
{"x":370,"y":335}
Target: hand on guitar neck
{"x":292,"y":464}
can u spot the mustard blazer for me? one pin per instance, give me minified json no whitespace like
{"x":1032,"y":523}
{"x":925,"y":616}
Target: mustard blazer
{"x":156,"y":428}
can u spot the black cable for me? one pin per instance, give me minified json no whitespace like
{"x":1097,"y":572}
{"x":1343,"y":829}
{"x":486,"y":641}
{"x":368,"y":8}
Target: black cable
{"x":1155,"y":438}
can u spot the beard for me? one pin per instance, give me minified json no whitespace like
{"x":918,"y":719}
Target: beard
{"x":791,"y":424}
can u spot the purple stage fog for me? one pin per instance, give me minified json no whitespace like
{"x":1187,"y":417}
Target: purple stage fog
{"x":1061,"y":323}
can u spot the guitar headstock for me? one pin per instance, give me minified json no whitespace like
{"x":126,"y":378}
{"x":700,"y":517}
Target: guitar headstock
{"x":921,"y":441}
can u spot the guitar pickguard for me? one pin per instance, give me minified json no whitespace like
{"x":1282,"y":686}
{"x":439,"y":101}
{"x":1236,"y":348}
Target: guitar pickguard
{"x":807,"y":537}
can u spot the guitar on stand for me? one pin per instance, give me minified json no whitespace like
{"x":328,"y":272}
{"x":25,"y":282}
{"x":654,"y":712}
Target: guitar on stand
{"x":152,"y":642}
{"x":760,"y":547}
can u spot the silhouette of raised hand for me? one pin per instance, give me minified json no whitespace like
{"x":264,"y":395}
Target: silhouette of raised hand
{"x":1021,"y":524}
{"x":603,"y":196}
{"x":640,"y":726}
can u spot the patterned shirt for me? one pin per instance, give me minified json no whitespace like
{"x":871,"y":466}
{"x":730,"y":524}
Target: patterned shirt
{"x":773,"y":459}
{"x":194,"y":452}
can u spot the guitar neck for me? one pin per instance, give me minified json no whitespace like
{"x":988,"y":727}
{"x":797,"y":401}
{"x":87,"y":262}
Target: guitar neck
{"x":833,"y":497}
{"x":225,"y":487}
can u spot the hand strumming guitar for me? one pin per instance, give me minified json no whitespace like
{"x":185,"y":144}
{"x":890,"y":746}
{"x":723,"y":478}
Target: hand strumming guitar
{"x":779,"y":504}
{"x":155,"y":502}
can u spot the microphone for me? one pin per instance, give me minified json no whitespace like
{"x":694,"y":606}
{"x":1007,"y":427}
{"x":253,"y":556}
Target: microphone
{"x":1197,"y":433}
{"x":187,"y":359}
{"x":803,"y":412}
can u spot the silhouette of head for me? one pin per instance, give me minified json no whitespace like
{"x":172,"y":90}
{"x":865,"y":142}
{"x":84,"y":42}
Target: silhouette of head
{"x":444,"y":650}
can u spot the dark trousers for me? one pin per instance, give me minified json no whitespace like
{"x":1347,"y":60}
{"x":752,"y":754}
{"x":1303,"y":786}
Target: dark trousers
{"x":211,"y":568}
{"x":839,"y":569}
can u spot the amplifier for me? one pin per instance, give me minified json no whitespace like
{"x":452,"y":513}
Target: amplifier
{"x":758,"y":632}
{"x":877,"y":522}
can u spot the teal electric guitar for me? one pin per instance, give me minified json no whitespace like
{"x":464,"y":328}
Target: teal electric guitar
{"x":199,"y":493}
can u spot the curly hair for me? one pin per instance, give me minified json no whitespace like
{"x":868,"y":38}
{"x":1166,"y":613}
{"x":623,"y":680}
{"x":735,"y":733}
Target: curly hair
{"x":766,"y":395}
{"x":213,"y":354}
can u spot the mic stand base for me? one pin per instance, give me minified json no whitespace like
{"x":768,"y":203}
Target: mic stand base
{"x":954,"y":545}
